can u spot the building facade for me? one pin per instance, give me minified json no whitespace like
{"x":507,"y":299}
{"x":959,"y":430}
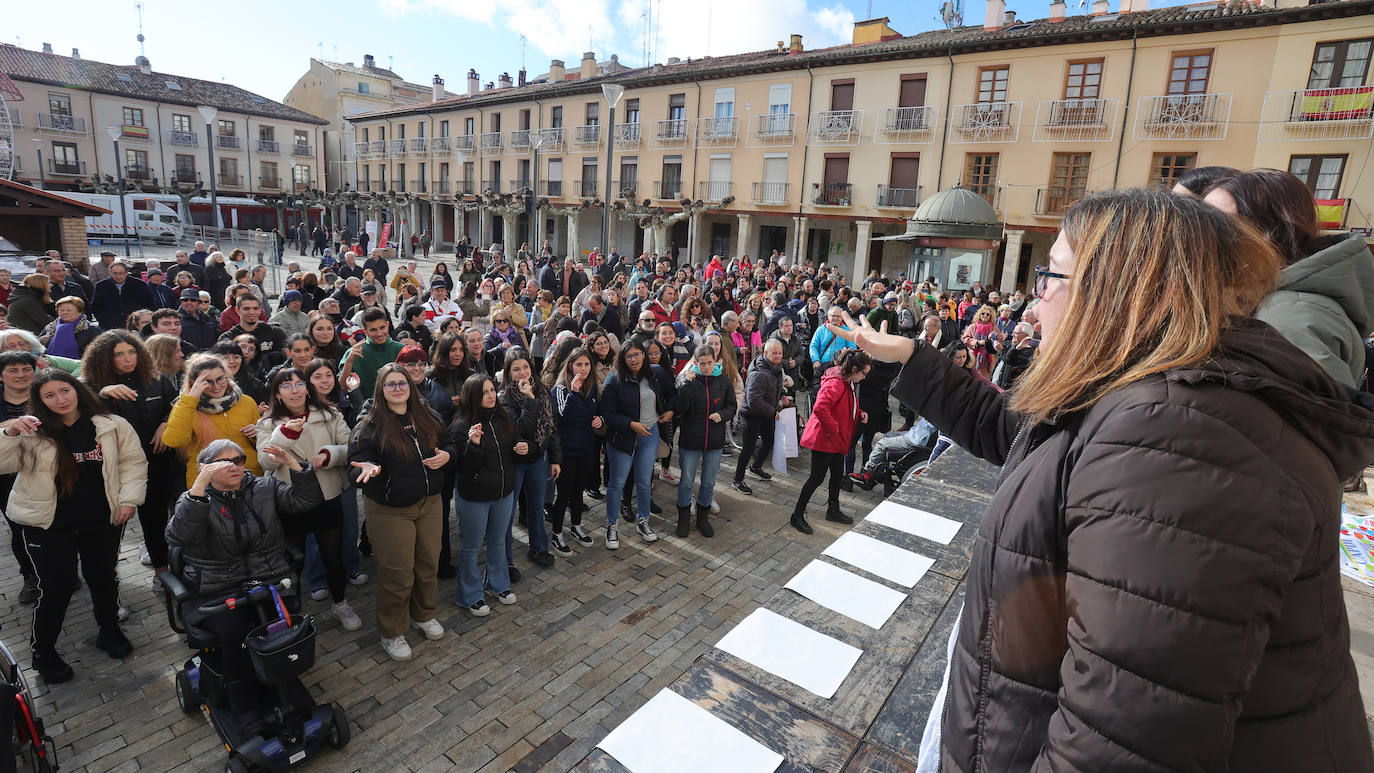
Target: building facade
{"x":70,"y":104}
{"x":821,"y":153}
{"x":337,"y":90}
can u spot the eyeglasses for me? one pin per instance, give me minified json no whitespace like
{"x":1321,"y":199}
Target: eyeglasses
{"x":1043,"y":275}
{"x":239,"y":460}
{"x":221,"y":381}
{"x":293,"y":385}
{"x":396,"y":386}
{"x":501,"y":321}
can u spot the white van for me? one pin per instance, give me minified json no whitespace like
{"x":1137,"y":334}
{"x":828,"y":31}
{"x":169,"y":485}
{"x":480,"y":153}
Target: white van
{"x":148,"y":218}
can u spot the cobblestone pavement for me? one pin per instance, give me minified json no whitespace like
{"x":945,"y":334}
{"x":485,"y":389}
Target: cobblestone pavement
{"x":532,"y":687}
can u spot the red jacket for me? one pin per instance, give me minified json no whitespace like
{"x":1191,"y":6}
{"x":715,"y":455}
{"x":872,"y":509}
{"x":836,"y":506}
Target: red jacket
{"x":662,"y":312}
{"x":834,"y":416}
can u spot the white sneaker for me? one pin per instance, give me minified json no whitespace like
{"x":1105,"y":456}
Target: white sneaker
{"x":559,"y":546}
{"x":645,"y":531}
{"x":319,"y":594}
{"x":397,"y":648}
{"x":612,"y":538}
{"x":506,"y":598}
{"x":666,"y":475}
{"x":348,"y":619}
{"x":479,"y":609}
{"x":357,"y":578}
{"x":715,"y":509}
{"x":432,"y":629}
{"x":143,"y":557}
{"x":122,"y":612}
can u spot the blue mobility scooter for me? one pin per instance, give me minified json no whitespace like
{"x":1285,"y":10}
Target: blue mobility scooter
{"x":285,"y":726}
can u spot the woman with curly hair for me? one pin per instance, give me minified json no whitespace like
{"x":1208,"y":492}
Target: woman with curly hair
{"x":119,"y":369}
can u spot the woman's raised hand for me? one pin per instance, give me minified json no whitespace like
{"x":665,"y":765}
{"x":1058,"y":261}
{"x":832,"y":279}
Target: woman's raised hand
{"x":881,"y":344}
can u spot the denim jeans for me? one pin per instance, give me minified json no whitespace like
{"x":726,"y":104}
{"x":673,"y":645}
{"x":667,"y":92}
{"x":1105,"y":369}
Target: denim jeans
{"x":314,"y":568}
{"x":641,"y":462}
{"x":531,"y":482}
{"x":689,"y":460}
{"x":478,"y":521}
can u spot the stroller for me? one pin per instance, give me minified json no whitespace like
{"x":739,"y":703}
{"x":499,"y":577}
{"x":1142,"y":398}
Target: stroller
{"x":288,"y":727}
{"x":30,"y":748}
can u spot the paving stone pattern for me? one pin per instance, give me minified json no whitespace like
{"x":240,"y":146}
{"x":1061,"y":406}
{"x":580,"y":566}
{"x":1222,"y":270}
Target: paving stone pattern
{"x":532,"y":687}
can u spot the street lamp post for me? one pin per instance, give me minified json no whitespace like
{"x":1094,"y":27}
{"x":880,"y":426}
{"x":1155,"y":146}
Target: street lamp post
{"x":114,"y":132}
{"x":209,"y":113}
{"x":42,"y":180}
{"x":613,"y":92}
{"x":532,"y":207}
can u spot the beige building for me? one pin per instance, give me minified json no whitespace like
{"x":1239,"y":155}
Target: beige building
{"x":261,"y":146}
{"x":824,"y":152}
{"x":338,"y":90}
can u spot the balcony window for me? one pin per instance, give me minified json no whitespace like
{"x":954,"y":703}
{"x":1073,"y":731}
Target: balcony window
{"x":1068,"y":182}
{"x":1166,"y":168}
{"x":1189,"y":72}
{"x":186,"y":168}
{"x":992,"y":83}
{"x":1322,"y":173}
{"x":980,"y":174}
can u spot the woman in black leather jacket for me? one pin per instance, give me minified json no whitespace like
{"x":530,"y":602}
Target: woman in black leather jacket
{"x":484,"y":448}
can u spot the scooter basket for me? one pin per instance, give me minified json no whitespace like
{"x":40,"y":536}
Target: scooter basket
{"x":285,"y":654}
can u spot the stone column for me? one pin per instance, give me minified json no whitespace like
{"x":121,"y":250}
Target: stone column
{"x":1012,"y":263}
{"x":863,"y":231}
{"x":746,"y":222}
{"x":797,"y":254}
{"x":509,"y":236}
{"x":574,"y":248}
{"x":694,"y":239}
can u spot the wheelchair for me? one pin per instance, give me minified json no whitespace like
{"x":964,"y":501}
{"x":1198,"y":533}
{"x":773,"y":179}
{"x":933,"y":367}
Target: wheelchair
{"x":30,"y":747}
{"x":287,"y":727}
{"x":892,"y":473}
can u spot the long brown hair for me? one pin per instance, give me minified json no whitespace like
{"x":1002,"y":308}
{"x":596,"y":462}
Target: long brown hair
{"x":97,"y":363}
{"x":50,"y":425}
{"x":391,"y":433}
{"x":1169,"y":270}
{"x":1278,"y":204}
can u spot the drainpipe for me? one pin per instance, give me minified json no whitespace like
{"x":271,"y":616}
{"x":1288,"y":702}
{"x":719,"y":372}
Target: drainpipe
{"x":944,"y":131}
{"x":1125,"y":113}
{"x":161,"y":146}
{"x":90,"y":108}
{"x":477,"y":145}
{"x":696,"y":161}
{"x":806,"y":148}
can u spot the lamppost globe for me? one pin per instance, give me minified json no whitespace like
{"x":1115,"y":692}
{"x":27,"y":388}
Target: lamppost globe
{"x":113,"y":132}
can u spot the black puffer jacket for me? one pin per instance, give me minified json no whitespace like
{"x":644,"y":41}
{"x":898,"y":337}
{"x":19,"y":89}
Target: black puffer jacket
{"x":1154,"y":586}
{"x":486,"y":470}
{"x":525,"y":413}
{"x":404,"y":479}
{"x":228,"y":539}
{"x":151,"y":409}
{"x":763,"y":388}
{"x":698,"y":398}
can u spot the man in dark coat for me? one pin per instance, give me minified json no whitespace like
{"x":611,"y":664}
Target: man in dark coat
{"x":605,"y":316}
{"x":117,"y":297}
{"x":380,"y":268}
{"x":198,"y":329}
{"x":183,"y":263}
{"x":63,"y":284}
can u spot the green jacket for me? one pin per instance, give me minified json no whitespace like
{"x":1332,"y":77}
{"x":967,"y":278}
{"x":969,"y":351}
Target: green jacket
{"x":1324,"y":305}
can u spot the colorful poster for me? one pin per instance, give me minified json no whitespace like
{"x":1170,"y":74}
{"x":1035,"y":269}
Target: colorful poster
{"x":1336,"y":104}
{"x":386,"y":235}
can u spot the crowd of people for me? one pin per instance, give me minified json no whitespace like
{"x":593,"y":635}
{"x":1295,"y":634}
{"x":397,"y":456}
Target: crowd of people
{"x":524,"y":387}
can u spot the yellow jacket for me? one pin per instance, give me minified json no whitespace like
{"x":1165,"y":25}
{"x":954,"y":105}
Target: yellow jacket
{"x":182,"y":424}
{"x":33,"y":502}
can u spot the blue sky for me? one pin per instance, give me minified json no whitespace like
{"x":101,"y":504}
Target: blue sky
{"x":264,"y":45}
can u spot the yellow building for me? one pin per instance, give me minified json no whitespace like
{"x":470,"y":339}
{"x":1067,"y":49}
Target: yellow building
{"x":825,"y":151}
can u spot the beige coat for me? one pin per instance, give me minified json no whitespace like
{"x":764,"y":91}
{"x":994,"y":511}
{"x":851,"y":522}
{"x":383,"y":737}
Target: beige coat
{"x":33,"y":502}
{"x":323,"y":430}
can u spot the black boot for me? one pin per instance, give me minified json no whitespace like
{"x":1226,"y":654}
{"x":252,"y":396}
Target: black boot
{"x":704,"y":522}
{"x":684,"y":521}
{"x":832,"y":513}
{"x":52,"y":667}
{"x":799,"y":521}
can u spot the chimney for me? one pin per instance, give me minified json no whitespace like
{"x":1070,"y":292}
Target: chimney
{"x":588,"y":64}
{"x":504,"y":80}
{"x":144,"y":66}
{"x":782,"y":47}
{"x":795,"y":46}
{"x":438,"y":90}
{"x":994,"y":15}
{"x":522,"y":78}
{"x":489,"y":86}
{"x":1009,"y":18}
{"x":1101,"y":7}
{"x":474,"y":82}
{"x":76,"y":53}
{"x":556,"y":71}
{"x":1134,"y":6}
{"x":47,"y":48}
{"x":1057,"y":10}
{"x":369,"y":63}
{"x":674,"y":60}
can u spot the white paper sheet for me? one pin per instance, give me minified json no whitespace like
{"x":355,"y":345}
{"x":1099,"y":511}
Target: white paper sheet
{"x":671,"y":734}
{"x":855,"y":597}
{"x":912,"y":521}
{"x":785,"y":648}
{"x":877,"y":557}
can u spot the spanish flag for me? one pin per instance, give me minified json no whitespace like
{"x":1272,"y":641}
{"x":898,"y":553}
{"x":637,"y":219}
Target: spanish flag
{"x":1336,"y":104}
{"x":1331,"y":213}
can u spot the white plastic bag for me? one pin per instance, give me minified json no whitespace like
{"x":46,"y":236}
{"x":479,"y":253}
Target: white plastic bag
{"x":785,"y":439}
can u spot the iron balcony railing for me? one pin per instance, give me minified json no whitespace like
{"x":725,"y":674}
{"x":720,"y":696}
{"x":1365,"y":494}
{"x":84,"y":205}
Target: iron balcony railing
{"x":769,"y":193}
{"x":833,"y":194}
{"x":667,"y":189}
{"x":269,"y":182}
{"x":904,"y":198}
{"x":227,"y":142}
{"x":299,"y":149}
{"x":183,"y":139}
{"x":234,"y":180}
{"x":269,"y":146}
{"x":57,"y":122}
{"x":713,"y":190}
{"x":72,"y":168}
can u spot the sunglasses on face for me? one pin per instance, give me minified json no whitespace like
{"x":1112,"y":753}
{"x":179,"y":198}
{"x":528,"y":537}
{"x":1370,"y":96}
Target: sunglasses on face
{"x":237,"y":461}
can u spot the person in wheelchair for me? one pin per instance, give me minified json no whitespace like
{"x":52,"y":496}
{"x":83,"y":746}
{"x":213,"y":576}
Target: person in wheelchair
{"x":915,"y":445}
{"x":228,"y":530}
